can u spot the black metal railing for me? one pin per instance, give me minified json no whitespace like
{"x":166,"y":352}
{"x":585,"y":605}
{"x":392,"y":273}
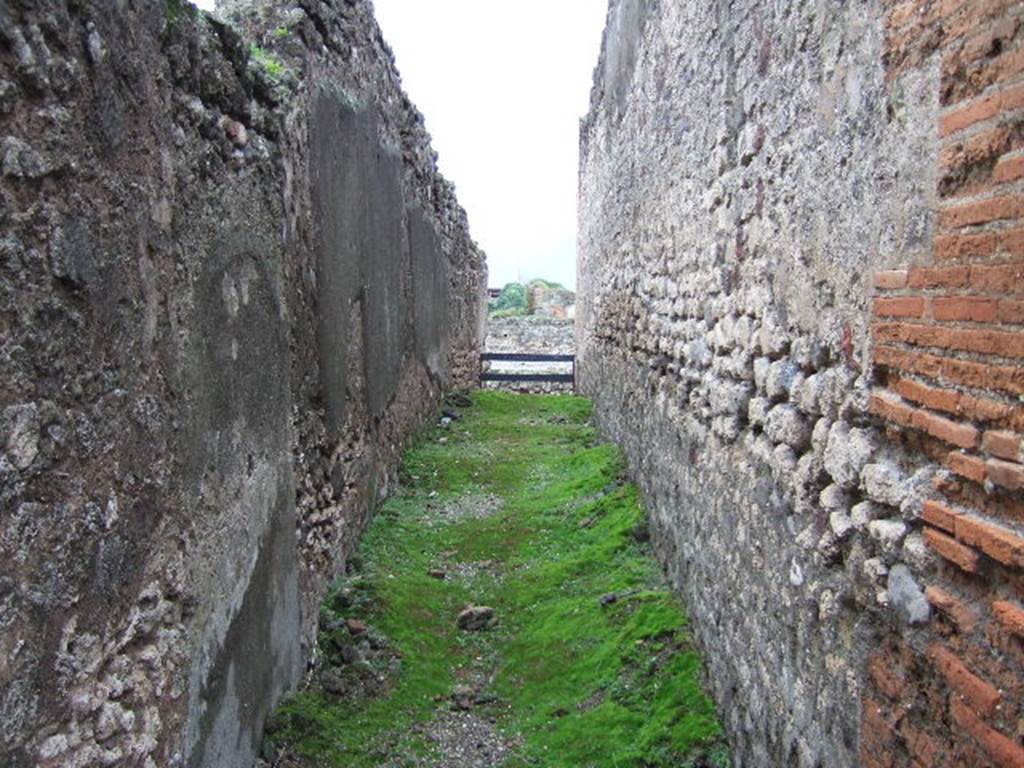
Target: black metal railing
{"x":528,"y":357}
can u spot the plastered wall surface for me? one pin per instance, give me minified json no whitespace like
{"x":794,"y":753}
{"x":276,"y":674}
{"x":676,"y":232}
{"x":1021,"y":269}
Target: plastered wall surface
{"x":767,"y":192}
{"x":233,"y":285}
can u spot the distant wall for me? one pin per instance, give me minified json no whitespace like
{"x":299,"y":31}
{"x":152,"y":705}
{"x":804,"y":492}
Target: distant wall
{"x":536,"y":334}
{"x":233,"y":284}
{"x":798,"y":283}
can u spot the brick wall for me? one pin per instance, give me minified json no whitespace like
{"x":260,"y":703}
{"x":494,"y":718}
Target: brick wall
{"x":947,"y":346}
{"x":799,"y":313}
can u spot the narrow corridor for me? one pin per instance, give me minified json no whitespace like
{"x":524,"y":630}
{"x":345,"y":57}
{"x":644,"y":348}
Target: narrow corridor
{"x":504,"y":609}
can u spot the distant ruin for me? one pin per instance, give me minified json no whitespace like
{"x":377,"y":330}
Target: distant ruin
{"x":540,"y":298}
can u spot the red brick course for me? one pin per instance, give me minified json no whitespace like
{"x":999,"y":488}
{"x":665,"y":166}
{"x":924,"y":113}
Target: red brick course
{"x":963,"y":616}
{"x":981,"y":696}
{"x":939,"y":515}
{"x":1005,"y":474}
{"x":972,"y":308}
{"x":1010,"y":616}
{"x":950,"y":247}
{"x":910,"y":306}
{"x":967,"y":466}
{"x":995,"y":541}
{"x":948,"y":348}
{"x":986,"y":342}
{"x":963,"y":557}
{"x":1003,"y":750}
{"x":1004,"y":444}
{"x":982,"y":109}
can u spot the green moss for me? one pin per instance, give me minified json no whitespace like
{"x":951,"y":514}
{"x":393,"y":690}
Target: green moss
{"x":268,"y":62}
{"x":583,"y":683}
{"x":281,"y":32}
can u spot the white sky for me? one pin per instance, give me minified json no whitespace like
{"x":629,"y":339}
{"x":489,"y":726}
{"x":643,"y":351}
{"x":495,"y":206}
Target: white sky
{"x":502,"y":85}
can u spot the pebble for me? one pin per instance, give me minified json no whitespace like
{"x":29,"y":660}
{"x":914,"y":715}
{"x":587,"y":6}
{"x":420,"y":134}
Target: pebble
{"x":355,"y":627}
{"x":476,"y":617}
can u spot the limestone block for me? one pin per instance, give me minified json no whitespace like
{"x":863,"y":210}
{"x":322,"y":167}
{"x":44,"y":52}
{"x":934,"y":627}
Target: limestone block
{"x":785,"y":424}
{"x":846,"y":453}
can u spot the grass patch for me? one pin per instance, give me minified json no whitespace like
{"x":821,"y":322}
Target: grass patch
{"x":574,"y":679}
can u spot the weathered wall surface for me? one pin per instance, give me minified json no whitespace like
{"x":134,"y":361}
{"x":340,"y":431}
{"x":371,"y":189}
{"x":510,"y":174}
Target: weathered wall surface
{"x":233,"y":283}
{"x":832,"y":459}
{"x":531,"y":333}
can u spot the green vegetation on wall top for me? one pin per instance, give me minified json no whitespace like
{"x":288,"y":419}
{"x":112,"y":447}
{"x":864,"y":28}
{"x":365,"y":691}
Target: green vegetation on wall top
{"x":515,"y":298}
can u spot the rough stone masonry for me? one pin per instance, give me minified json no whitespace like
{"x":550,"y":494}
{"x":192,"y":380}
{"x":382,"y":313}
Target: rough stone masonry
{"x":801,"y":274}
{"x":233,"y":282}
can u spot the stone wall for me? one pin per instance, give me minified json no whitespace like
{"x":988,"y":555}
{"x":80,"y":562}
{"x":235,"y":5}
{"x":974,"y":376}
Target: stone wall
{"x":233,"y":284}
{"x":798,"y":278}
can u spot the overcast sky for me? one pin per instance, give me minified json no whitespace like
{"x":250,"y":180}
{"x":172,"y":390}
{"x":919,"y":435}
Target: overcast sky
{"x":502,"y":85}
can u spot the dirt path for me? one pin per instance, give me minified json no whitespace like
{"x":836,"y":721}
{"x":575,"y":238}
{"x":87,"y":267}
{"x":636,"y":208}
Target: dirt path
{"x":504,"y":611}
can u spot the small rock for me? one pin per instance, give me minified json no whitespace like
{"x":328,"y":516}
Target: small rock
{"x":865,"y":512}
{"x":888,"y":533}
{"x":463,"y":697}
{"x":355,"y":627}
{"x":729,"y":398}
{"x":21,"y":424}
{"x":610,"y":598}
{"x":916,"y":490}
{"x":761,"y":366}
{"x":113,"y":719}
{"x":757,"y":410}
{"x":476,"y":617}
{"x":884,"y":483}
{"x":53,"y":746}
{"x":235,"y":132}
{"x":783,"y":460}
{"x":846,"y":453}
{"x":829,"y":546}
{"x":875,"y":569}
{"x":785,"y":424}
{"x":834,"y":498}
{"x":840,"y":524}
{"x":796,"y":574}
{"x":916,"y":552}
{"x":906,"y":597}
{"x":779,"y":380}
{"x":438,"y":574}
{"x":20,"y":160}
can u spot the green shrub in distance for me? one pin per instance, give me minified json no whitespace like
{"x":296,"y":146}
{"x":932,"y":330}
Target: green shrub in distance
{"x":512,"y":297}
